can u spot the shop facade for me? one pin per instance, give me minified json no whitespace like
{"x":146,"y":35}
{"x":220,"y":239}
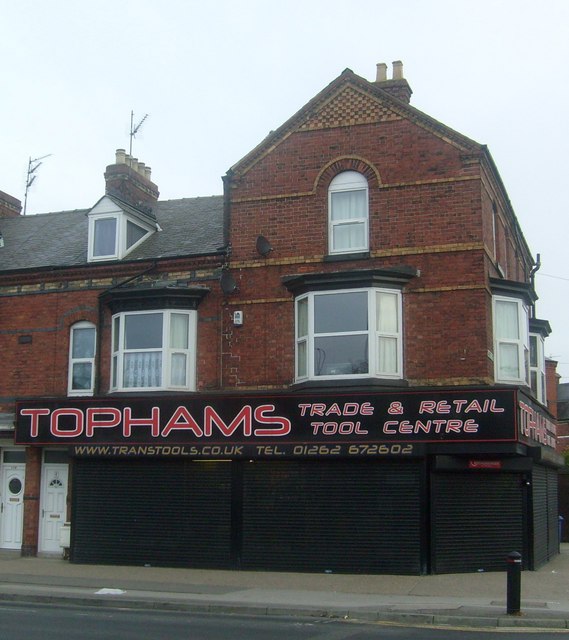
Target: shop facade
{"x":411,"y":482}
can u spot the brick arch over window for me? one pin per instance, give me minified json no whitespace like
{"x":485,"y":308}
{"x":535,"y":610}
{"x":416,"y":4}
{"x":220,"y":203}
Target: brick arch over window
{"x":348,"y":163}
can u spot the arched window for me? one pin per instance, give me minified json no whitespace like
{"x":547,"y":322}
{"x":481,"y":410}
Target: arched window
{"x":348,"y":213}
{"x":82,"y":346}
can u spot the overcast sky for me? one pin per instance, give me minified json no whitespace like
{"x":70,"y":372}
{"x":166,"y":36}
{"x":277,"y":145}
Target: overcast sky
{"x":216,"y":76}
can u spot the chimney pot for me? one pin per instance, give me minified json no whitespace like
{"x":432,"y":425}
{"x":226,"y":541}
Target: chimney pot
{"x":120,"y":156}
{"x":397,"y":70}
{"x":141,"y":168}
{"x":381,"y":75}
{"x":147,"y":173}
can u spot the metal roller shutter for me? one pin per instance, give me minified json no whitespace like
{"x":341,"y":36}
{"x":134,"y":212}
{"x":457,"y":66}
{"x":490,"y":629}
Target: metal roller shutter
{"x":477,"y":520}
{"x":160,"y":512}
{"x":341,"y":516}
{"x":553,"y":512}
{"x":545,"y":515}
{"x":540,"y":516}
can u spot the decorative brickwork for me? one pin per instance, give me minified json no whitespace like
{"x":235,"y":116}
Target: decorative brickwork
{"x":351,"y":107}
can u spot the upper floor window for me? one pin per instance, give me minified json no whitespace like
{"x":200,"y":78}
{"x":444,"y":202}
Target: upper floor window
{"x":537,"y":366}
{"x":82,"y":345}
{"x":154,"y":350}
{"x":113,"y":232}
{"x":511,"y":340}
{"x":348,"y":213}
{"x":349,"y":333}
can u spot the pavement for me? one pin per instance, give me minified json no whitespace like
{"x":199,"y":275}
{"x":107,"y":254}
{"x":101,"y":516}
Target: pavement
{"x":470,"y":600}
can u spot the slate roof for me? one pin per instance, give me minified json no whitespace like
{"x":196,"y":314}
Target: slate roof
{"x":190,"y":227}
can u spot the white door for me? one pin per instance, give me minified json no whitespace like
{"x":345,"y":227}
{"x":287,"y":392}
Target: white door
{"x":12,"y":508}
{"x":53,"y":506}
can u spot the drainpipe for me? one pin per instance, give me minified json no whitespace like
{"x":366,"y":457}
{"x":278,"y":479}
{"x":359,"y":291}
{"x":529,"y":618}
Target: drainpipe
{"x":532,"y":273}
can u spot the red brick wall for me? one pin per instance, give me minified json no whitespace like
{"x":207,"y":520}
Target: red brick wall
{"x":426,"y":211}
{"x":35,"y":331}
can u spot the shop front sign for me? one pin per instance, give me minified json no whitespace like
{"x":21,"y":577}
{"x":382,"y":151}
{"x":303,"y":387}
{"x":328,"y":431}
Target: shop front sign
{"x":291,"y":425}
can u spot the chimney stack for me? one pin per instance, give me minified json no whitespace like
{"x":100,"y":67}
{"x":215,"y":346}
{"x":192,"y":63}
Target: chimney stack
{"x":129,"y":180}
{"x":398,"y":87}
{"x":9,"y":207}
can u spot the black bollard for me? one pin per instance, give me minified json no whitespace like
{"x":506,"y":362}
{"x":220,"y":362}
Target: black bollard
{"x":514,"y":565}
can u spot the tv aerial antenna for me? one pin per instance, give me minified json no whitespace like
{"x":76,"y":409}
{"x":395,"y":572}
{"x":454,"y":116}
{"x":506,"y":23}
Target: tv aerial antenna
{"x":33,"y":166}
{"x":134,"y":129}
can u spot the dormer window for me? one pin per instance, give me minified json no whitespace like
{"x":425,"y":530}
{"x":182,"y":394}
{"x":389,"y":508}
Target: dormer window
{"x":116,"y":229}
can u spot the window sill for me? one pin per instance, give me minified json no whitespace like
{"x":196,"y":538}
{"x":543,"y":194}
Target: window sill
{"x":345,"y":257}
{"x":361,"y":384}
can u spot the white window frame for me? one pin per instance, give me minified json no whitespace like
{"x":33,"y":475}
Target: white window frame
{"x":342,"y":183}
{"x":121,"y":249}
{"x":93,"y":257}
{"x":81,"y":360}
{"x":521,"y":342}
{"x":305,"y":337}
{"x":537,"y":366}
{"x":167,"y":351}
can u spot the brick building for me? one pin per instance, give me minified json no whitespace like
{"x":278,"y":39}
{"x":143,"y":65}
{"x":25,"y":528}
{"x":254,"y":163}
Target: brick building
{"x":336,"y":365}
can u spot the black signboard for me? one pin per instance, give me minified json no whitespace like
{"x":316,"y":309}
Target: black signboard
{"x":289,"y":425}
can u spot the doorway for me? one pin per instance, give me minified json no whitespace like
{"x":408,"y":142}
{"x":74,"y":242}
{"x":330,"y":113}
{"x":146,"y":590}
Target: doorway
{"x":53,"y":507}
{"x":12,"y":505}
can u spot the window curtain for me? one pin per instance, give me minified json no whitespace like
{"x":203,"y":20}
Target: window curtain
{"x":179,"y":323}
{"x":142,"y":369}
{"x":387,"y":321}
{"x":507,"y":320}
{"x":507,"y":328}
{"x":346,"y":206}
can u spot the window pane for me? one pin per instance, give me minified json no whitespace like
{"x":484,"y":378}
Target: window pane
{"x":81,"y":378}
{"x":179,"y":324}
{"x":347,"y":205}
{"x":507,"y":321}
{"x":143,"y":331}
{"x":142,"y":370}
{"x":387,"y":355}
{"x":116,"y":333}
{"x":105,"y":237}
{"x":178,"y":369}
{"x":533,"y":382}
{"x":302,"y":364}
{"x":14,"y":456}
{"x":340,"y":312}
{"x":349,"y":236}
{"x":302,"y":318}
{"x":341,"y":355}
{"x":83,"y":343}
{"x":387,"y":312}
{"x":533,"y":351}
{"x":509,"y":362}
{"x":133,"y":233}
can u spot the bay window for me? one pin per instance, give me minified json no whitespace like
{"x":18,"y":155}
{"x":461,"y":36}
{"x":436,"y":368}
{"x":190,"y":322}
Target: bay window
{"x":511,"y":340}
{"x":349,"y":333}
{"x":153,"y":350}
